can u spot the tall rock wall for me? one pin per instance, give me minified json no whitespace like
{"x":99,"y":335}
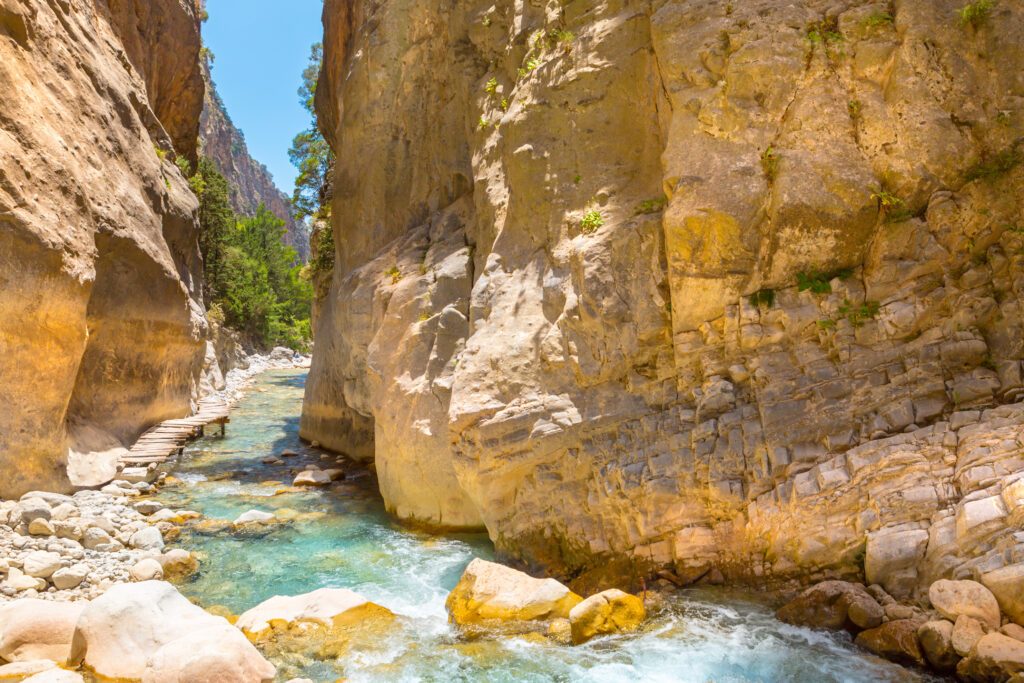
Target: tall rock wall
{"x":101,"y":329}
{"x":637,"y":284}
{"x":250,"y":181}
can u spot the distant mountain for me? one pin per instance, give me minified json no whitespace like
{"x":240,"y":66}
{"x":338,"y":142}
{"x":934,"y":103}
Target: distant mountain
{"x":251,"y":182}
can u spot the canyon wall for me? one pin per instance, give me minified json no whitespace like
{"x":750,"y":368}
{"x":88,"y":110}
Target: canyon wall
{"x":683,"y":284}
{"x":101,"y":326}
{"x":250,"y":181}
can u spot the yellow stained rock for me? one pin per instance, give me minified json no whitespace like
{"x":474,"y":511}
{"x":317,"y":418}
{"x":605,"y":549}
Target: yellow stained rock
{"x":493,"y":593}
{"x":611,"y":611}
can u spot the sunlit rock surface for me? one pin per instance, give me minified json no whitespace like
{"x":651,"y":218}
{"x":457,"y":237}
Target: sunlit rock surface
{"x":730,"y":285}
{"x":100,"y":326}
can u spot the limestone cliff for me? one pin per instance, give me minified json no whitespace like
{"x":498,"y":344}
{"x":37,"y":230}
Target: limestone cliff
{"x":250,"y":181}
{"x":682,"y":282}
{"x":101,"y":332}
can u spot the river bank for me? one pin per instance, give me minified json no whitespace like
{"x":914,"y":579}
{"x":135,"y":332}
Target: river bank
{"x":243,"y":534}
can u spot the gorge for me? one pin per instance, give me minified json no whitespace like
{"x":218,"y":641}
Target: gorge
{"x":651,"y":295}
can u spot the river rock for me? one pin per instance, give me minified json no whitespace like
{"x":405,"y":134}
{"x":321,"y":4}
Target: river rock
{"x":122,"y":629}
{"x":312,"y":478}
{"x":33,"y":508}
{"x":954,"y":598}
{"x":1007,"y":584}
{"x":41,"y":564}
{"x":149,"y":538}
{"x":937,"y":644}
{"x":995,"y":657}
{"x":94,"y":538}
{"x":254,"y":516}
{"x":326,"y":606}
{"x":147,"y":570}
{"x":214,"y":653}
{"x":19,"y":582}
{"x":148,"y":507}
{"x":611,"y":611}
{"x":966,"y":632}
{"x":833,"y":605}
{"x":38,"y":629}
{"x":490,"y":592}
{"x":1015,"y":631}
{"x":178,"y":564}
{"x":70,"y":577}
{"x":894,"y":640}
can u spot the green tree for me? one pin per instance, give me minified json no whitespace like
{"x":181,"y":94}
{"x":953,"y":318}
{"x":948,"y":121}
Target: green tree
{"x":309,"y":152}
{"x":217,"y":221}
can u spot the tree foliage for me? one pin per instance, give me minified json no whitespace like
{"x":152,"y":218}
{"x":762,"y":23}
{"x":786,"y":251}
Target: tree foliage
{"x":251,"y":275}
{"x":310,"y":152}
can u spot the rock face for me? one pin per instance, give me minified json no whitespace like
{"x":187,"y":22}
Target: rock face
{"x":100,"y":326}
{"x":250,"y":181}
{"x":680,"y":282}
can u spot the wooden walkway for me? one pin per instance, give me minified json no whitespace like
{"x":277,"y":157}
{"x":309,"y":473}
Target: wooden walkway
{"x":168,"y":438}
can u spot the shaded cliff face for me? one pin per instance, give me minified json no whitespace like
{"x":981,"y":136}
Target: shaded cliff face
{"x":250,"y":180}
{"x":101,"y":332}
{"x":682,"y":283}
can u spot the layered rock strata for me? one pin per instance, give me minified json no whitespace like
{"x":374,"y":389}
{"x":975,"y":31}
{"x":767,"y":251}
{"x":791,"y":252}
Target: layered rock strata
{"x":703,"y":284}
{"x":101,"y":329}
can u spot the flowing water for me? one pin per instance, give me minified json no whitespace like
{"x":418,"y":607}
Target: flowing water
{"x":342,"y":537}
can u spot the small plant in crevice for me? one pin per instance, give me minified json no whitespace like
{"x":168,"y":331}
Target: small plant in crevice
{"x":826,"y":324}
{"x":577,"y":180}
{"x":890,"y":204}
{"x":561,"y":37}
{"x":483,"y":123}
{"x":491,"y":86}
{"x":858,"y":314}
{"x":762,"y":298}
{"x":184,"y":166}
{"x":824,"y":32}
{"x":770,"y":163}
{"x":425,"y":316}
{"x":855,"y":109}
{"x":395,"y":274}
{"x":529,"y":66}
{"x":504,"y":104}
{"x":161,"y":153}
{"x":591,"y":221}
{"x":877,"y":19}
{"x":996,"y":165}
{"x":648,"y":206}
{"x":976,"y":13}
{"x":820,"y":283}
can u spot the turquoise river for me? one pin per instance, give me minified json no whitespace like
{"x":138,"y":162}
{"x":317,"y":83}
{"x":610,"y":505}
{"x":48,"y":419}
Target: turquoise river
{"x":341,"y":536}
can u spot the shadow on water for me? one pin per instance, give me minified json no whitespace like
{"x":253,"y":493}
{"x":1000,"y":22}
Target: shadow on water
{"x":341,"y":536}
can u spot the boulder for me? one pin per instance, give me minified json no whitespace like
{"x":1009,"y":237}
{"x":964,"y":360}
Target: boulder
{"x":215,"y":653}
{"x":490,"y":592}
{"x":1015,"y":631}
{"x":833,"y":605}
{"x":149,"y":538}
{"x":122,"y":629}
{"x":966,"y":632}
{"x":19,"y":582}
{"x":995,"y":657}
{"x":952,"y":599}
{"x":33,"y":508}
{"x":894,"y":640}
{"x":324,"y":624}
{"x":1007,"y":584}
{"x":38,"y":629}
{"x":41,"y":527}
{"x":312,"y":478}
{"x":937,"y":643}
{"x":70,"y":577}
{"x":254,"y":516}
{"x":611,"y":611}
{"x":41,"y":564}
{"x":326,"y":606}
{"x":147,"y":570}
{"x":178,"y":564}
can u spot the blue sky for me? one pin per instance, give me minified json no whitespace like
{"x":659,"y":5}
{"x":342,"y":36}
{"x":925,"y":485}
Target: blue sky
{"x":261,"y":48}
